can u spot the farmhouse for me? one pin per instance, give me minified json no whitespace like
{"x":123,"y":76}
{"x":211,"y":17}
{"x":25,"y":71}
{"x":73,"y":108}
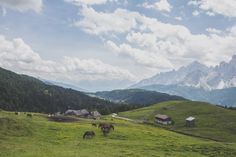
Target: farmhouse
{"x":95,"y":115}
{"x":190,"y":121}
{"x":163,"y":119}
{"x":80,"y":113}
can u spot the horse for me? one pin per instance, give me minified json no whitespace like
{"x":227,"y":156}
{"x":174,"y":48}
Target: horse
{"x":29,"y":115}
{"x":105,"y":128}
{"x":94,"y":124}
{"x":88,"y":134}
{"x":106,"y":125}
{"x":17,"y":113}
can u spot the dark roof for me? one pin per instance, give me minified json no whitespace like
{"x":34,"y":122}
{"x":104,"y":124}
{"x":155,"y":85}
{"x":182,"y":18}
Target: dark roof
{"x":82,"y":112}
{"x":162,"y":116}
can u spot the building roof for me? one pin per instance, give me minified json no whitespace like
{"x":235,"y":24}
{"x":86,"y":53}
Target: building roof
{"x":95,"y":113}
{"x":190,"y":118}
{"x":82,"y":112}
{"x":162,"y":116}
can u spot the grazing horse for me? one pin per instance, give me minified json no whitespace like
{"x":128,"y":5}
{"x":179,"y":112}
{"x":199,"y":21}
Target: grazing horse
{"x":88,"y":134}
{"x":105,"y":125}
{"x":94,"y":124}
{"x":105,"y":128}
{"x":17,"y":113}
{"x":29,"y":115}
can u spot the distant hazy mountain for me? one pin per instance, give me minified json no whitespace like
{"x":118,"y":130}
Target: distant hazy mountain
{"x":64,"y":85}
{"x":197,"y":75}
{"x":136,"y":96}
{"x":225,"y":97}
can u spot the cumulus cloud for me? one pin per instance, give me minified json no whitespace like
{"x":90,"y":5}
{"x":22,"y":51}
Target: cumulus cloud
{"x":152,"y":43}
{"x":213,"y":30}
{"x":23,"y":5}
{"x":94,"y":2}
{"x":179,"y":18}
{"x":162,"y":5}
{"x":101,"y":22}
{"x":140,"y":56}
{"x":195,"y":13}
{"x":16,"y":55}
{"x":87,"y":2}
{"x":226,"y":8}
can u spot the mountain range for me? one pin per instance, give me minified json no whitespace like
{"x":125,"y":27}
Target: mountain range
{"x":197,"y":82}
{"x":197,"y":75}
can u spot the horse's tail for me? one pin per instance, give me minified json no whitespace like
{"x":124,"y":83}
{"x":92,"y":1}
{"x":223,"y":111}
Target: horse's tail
{"x":113,"y":128}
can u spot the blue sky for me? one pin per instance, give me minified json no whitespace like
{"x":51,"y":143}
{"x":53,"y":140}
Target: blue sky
{"x":108,"y":44}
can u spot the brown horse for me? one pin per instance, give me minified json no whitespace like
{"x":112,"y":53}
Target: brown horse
{"x":105,"y":128}
{"x":88,"y":134}
{"x":106,"y":125}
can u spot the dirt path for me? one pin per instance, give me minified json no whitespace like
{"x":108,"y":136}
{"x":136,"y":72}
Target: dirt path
{"x":127,"y":119}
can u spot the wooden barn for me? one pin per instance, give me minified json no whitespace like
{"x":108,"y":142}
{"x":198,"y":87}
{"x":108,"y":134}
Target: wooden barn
{"x":190,"y":121}
{"x":163,"y":119}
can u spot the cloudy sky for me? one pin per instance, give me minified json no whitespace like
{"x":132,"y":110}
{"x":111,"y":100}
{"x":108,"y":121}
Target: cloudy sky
{"x":107,"y":44}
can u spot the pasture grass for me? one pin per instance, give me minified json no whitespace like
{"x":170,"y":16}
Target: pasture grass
{"x":211,"y":121}
{"x":21,"y":136}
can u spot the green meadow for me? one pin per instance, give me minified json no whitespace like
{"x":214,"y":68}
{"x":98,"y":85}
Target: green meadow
{"x":212,"y":122}
{"x":22,"y":136}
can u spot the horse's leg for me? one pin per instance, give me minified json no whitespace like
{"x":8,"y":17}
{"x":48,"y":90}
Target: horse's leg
{"x":84,"y":136}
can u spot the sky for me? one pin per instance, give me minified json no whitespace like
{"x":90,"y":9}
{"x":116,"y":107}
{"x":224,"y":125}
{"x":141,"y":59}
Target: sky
{"x":110,"y":44}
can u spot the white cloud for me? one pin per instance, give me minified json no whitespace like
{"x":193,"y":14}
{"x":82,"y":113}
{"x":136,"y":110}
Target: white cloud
{"x":213,"y":30}
{"x":94,"y":2}
{"x":179,"y":18}
{"x":18,"y":56}
{"x":87,"y":2}
{"x":153,"y":60}
{"x":23,"y":5}
{"x":162,"y":5}
{"x":209,"y":13}
{"x":195,"y":13}
{"x":100,"y":22}
{"x":226,"y":7}
{"x":153,"y":43}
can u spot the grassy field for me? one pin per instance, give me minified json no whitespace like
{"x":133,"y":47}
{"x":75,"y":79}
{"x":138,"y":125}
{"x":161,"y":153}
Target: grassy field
{"x":211,"y":121}
{"x":21,"y":136}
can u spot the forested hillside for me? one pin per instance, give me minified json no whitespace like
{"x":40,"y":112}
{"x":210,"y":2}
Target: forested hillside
{"x":138,"y":97}
{"x":24,"y":93}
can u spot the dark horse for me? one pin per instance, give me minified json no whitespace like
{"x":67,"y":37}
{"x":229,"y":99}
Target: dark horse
{"x":29,"y":115}
{"x":88,"y":134}
{"x":105,"y":128}
{"x":106,"y":125}
{"x":94,"y":124}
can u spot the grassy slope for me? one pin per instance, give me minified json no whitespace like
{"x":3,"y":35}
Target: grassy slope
{"x":211,"y":121}
{"x":24,"y":137}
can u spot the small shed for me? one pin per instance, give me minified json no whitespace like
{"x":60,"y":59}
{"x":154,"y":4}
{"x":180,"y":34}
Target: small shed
{"x":190,"y":121}
{"x":163,"y":119}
